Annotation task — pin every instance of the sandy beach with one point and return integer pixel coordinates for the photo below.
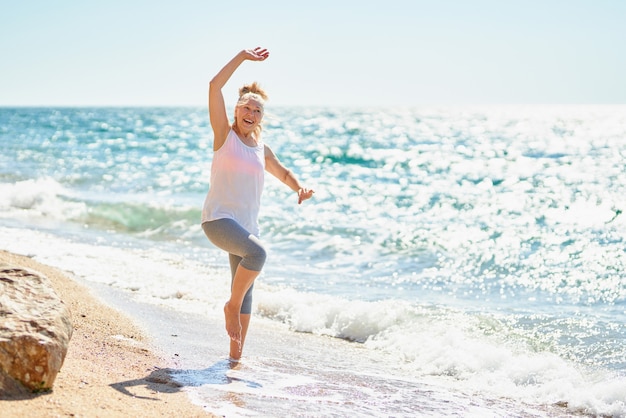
(110, 369)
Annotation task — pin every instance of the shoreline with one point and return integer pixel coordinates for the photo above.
(110, 369)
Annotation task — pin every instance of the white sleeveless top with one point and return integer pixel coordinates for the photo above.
(237, 177)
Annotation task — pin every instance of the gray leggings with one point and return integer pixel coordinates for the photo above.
(243, 249)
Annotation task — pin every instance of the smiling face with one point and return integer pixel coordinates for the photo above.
(248, 114)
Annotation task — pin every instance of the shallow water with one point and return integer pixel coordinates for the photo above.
(468, 259)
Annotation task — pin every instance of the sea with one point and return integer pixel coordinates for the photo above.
(464, 261)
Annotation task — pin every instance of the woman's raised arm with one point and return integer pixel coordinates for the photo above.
(217, 107)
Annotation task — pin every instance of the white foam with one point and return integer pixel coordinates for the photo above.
(454, 346)
(457, 347)
(42, 199)
(328, 315)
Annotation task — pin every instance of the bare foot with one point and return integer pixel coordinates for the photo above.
(233, 363)
(233, 324)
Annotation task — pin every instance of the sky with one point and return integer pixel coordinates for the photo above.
(322, 53)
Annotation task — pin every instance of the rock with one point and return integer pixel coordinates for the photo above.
(35, 331)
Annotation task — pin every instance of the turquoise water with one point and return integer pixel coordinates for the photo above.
(482, 249)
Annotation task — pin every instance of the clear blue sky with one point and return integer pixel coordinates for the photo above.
(339, 52)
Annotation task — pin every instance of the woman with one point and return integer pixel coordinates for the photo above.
(231, 208)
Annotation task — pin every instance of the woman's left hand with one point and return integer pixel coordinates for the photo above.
(304, 194)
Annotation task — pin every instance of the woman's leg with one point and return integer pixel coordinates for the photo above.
(231, 237)
(236, 349)
(232, 309)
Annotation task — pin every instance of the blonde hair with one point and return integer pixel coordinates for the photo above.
(255, 92)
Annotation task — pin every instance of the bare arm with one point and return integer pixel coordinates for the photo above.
(278, 170)
(217, 107)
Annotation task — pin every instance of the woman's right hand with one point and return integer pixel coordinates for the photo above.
(256, 54)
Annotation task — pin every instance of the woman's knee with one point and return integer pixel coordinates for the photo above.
(255, 258)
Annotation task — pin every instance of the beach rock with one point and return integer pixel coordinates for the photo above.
(35, 331)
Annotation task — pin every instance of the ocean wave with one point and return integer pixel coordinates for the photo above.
(469, 350)
(154, 221)
(328, 315)
(42, 198)
(46, 200)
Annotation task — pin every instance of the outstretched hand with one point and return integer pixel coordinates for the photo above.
(304, 194)
(257, 54)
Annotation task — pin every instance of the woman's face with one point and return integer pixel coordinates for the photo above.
(249, 115)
